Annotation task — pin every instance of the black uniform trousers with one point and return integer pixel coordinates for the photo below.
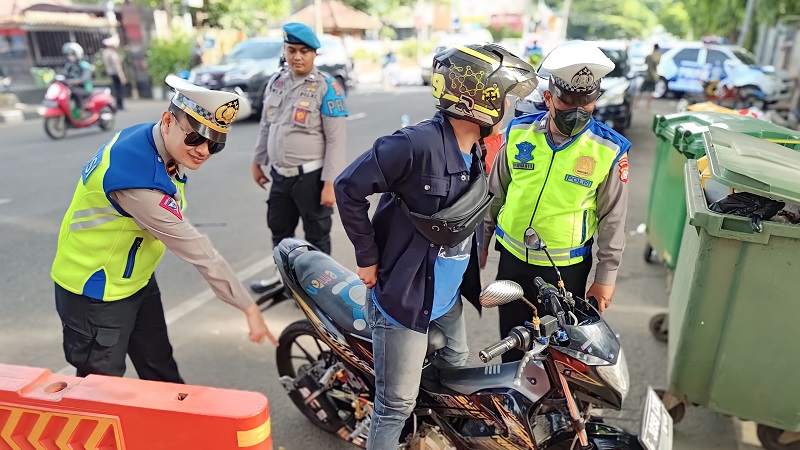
(517, 270)
(293, 198)
(98, 334)
(118, 91)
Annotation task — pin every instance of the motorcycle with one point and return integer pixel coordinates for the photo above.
(573, 365)
(61, 112)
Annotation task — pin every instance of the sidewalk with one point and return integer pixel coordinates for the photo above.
(20, 112)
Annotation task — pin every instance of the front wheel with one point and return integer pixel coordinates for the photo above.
(56, 127)
(777, 439)
(107, 118)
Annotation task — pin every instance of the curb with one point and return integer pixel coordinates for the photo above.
(20, 114)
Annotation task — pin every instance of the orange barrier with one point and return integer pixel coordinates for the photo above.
(43, 411)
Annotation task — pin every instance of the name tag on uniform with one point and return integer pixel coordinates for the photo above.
(523, 166)
(578, 180)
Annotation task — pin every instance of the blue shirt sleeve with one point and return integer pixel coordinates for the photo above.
(380, 169)
(333, 100)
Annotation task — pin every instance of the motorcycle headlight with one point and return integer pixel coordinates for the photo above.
(617, 375)
(246, 75)
(612, 97)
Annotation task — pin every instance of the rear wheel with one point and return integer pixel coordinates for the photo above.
(777, 439)
(301, 352)
(56, 127)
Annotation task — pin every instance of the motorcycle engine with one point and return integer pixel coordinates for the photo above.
(429, 438)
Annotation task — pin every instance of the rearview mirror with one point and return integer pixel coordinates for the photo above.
(500, 292)
(533, 241)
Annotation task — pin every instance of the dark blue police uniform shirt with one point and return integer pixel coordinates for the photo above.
(429, 175)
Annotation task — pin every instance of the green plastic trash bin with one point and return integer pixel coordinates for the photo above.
(680, 138)
(734, 306)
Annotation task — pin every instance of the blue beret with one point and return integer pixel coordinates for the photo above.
(298, 33)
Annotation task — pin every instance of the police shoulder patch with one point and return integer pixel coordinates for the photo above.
(171, 205)
(333, 101)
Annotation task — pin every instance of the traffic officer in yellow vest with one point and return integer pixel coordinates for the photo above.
(128, 207)
(563, 174)
(302, 144)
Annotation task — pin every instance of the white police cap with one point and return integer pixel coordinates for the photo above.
(213, 111)
(575, 69)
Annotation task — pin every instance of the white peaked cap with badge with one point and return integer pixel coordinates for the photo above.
(575, 69)
(213, 111)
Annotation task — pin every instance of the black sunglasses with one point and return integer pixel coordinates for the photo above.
(193, 138)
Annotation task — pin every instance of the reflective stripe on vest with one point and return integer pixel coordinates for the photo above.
(103, 253)
(554, 190)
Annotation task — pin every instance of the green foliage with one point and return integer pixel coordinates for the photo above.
(503, 32)
(166, 56)
(250, 16)
(362, 54)
(408, 49)
(609, 19)
(770, 11)
(674, 18)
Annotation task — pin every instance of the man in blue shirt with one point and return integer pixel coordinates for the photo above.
(429, 166)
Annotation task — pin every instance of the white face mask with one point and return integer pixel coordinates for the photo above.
(72, 58)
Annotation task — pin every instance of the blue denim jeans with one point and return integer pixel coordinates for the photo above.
(399, 354)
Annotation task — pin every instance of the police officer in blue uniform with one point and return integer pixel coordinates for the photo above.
(301, 144)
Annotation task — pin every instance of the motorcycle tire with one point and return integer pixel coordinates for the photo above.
(659, 327)
(284, 357)
(55, 127)
(771, 439)
(106, 125)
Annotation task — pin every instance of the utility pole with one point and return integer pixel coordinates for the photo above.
(318, 17)
(748, 18)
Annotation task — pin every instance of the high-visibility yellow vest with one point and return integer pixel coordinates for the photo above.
(102, 252)
(554, 189)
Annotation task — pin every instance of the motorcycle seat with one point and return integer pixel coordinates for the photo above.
(341, 295)
(338, 292)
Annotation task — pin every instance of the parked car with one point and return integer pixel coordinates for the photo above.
(687, 66)
(618, 89)
(252, 62)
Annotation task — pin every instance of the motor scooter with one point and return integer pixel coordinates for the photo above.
(61, 113)
(573, 366)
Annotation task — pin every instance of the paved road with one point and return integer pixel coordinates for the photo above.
(37, 177)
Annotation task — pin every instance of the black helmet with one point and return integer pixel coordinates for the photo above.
(471, 82)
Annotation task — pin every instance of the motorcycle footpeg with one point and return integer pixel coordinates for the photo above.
(288, 383)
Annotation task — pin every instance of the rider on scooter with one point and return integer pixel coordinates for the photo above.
(427, 168)
(78, 73)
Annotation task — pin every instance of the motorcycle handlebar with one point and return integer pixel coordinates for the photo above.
(495, 350)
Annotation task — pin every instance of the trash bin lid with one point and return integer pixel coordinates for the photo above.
(750, 164)
(688, 136)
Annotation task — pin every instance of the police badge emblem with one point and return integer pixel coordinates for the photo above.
(226, 113)
(585, 166)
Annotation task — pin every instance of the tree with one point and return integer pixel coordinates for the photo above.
(675, 20)
(609, 19)
(250, 16)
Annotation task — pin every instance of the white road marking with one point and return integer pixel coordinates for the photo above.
(3, 201)
(357, 116)
(188, 306)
